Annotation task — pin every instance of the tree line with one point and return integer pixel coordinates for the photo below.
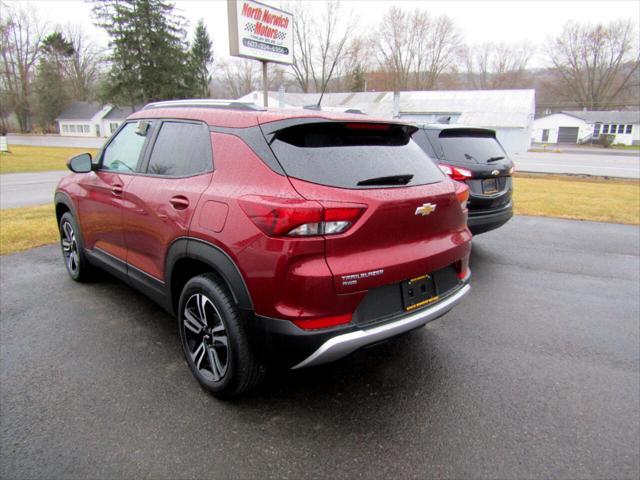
(44, 69)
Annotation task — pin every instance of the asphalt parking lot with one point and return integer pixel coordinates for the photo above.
(535, 375)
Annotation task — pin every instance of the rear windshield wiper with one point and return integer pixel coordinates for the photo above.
(390, 180)
(494, 159)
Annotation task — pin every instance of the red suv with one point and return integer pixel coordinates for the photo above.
(292, 238)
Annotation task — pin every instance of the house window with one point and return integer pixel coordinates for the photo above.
(72, 129)
(596, 130)
(613, 128)
(620, 128)
(605, 129)
(629, 127)
(113, 126)
(65, 128)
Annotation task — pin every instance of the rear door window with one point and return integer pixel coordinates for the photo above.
(354, 155)
(181, 149)
(459, 145)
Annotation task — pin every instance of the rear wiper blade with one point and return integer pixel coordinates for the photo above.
(494, 159)
(390, 180)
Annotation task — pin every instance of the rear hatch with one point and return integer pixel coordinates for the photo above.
(478, 151)
(412, 222)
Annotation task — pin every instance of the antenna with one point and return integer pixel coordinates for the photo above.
(318, 107)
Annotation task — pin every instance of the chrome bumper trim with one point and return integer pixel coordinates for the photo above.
(342, 345)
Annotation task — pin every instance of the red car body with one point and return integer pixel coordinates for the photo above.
(296, 292)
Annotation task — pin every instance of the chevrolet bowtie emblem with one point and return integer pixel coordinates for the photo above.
(495, 172)
(425, 209)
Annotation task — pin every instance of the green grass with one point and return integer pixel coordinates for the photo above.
(626, 147)
(27, 227)
(616, 201)
(600, 200)
(38, 159)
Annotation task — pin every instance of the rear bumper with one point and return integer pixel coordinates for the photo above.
(342, 345)
(284, 344)
(482, 221)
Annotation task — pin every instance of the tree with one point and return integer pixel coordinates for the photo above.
(415, 49)
(497, 65)
(319, 43)
(595, 63)
(201, 59)
(237, 76)
(85, 65)
(149, 59)
(357, 80)
(21, 35)
(51, 86)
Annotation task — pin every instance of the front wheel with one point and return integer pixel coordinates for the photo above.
(214, 341)
(72, 249)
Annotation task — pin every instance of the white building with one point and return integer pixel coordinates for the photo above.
(509, 112)
(90, 119)
(584, 126)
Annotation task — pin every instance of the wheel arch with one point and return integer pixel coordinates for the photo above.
(63, 204)
(188, 257)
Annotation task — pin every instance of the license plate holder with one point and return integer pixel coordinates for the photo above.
(490, 185)
(418, 292)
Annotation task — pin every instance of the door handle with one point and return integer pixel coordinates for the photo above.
(179, 202)
(116, 190)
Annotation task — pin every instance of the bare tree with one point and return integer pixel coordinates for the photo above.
(320, 42)
(236, 77)
(416, 48)
(497, 65)
(84, 66)
(595, 63)
(354, 65)
(438, 45)
(395, 46)
(21, 34)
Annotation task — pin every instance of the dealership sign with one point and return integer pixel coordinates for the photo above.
(259, 31)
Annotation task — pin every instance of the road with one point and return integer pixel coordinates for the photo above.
(616, 165)
(535, 375)
(55, 141)
(23, 189)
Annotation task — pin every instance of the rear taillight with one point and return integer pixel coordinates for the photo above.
(456, 173)
(292, 217)
(324, 322)
(462, 194)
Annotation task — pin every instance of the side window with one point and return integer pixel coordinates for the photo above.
(123, 152)
(181, 149)
(420, 137)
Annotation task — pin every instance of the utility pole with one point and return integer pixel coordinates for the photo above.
(265, 84)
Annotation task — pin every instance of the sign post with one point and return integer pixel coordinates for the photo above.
(260, 32)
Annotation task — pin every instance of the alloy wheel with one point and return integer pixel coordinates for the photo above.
(206, 337)
(70, 248)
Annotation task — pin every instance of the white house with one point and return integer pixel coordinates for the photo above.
(509, 112)
(585, 126)
(91, 119)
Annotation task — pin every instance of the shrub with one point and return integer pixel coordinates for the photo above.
(606, 140)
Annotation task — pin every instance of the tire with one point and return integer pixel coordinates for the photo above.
(72, 248)
(214, 341)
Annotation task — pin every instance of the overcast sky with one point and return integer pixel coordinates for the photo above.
(480, 21)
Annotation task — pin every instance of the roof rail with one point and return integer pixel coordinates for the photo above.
(206, 103)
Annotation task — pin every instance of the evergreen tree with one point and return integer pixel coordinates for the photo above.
(149, 56)
(201, 59)
(357, 79)
(51, 86)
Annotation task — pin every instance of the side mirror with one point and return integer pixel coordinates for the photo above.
(80, 163)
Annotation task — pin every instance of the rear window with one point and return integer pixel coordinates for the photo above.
(470, 146)
(354, 155)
